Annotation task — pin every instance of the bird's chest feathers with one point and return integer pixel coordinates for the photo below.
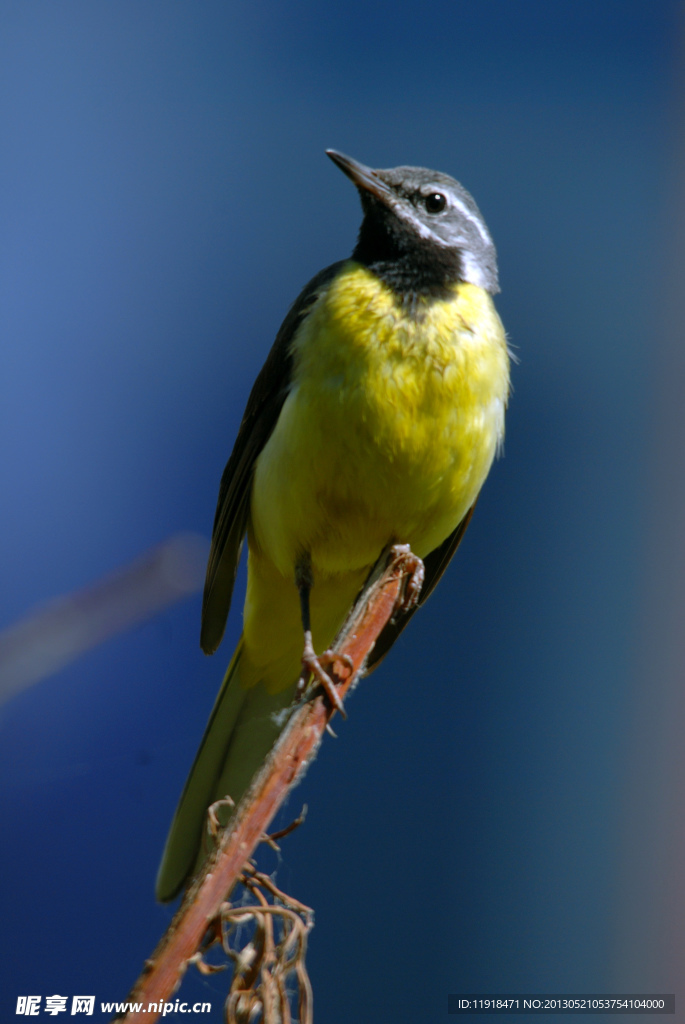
(394, 415)
(411, 388)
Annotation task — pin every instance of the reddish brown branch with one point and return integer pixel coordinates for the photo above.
(295, 748)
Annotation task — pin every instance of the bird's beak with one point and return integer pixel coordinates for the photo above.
(365, 178)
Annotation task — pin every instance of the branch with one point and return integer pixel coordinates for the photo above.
(394, 581)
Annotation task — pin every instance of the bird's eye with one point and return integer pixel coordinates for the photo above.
(435, 202)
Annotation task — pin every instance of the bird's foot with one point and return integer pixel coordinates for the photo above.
(314, 665)
(414, 573)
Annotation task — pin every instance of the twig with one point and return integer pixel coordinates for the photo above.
(272, 838)
(295, 748)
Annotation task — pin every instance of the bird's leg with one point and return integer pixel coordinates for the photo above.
(311, 664)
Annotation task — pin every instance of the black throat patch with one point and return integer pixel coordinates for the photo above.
(416, 269)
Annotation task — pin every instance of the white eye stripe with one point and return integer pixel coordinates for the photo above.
(475, 220)
(405, 211)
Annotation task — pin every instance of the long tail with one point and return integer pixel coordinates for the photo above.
(239, 735)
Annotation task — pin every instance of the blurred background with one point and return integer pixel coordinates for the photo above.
(503, 810)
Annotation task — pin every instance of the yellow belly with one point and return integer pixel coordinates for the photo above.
(389, 430)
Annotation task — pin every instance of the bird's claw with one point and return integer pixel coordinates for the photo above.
(314, 665)
(411, 566)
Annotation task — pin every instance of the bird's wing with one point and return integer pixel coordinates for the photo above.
(261, 413)
(434, 564)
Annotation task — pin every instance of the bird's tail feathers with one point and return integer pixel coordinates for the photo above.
(242, 729)
(187, 827)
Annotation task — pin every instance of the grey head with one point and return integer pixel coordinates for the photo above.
(421, 230)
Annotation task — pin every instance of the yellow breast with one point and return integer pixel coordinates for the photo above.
(389, 429)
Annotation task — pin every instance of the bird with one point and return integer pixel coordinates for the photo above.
(374, 420)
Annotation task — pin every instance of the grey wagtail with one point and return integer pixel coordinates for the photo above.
(374, 420)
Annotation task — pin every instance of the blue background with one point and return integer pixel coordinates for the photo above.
(163, 197)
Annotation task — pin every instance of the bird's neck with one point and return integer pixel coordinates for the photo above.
(411, 266)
